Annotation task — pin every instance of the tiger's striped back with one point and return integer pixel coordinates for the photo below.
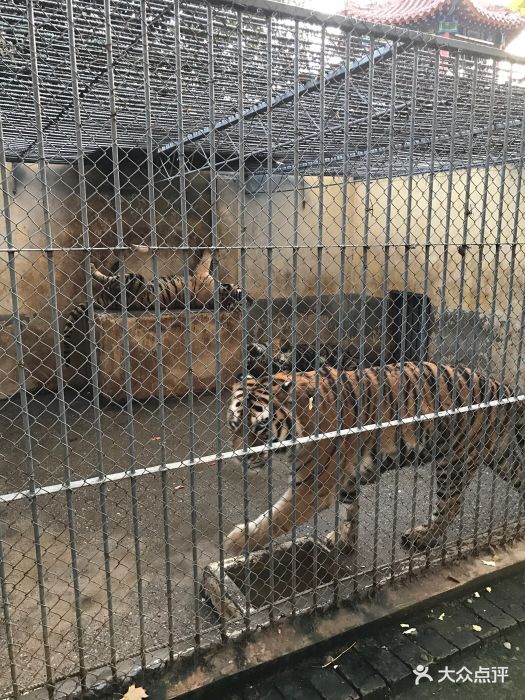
(377, 396)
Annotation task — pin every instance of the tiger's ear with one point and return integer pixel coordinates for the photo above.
(286, 386)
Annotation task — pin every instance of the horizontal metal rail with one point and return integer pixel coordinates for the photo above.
(209, 459)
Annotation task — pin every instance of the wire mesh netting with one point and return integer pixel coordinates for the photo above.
(253, 256)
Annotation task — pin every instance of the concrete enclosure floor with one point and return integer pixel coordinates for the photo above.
(379, 505)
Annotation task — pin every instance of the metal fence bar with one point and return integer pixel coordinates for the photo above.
(521, 345)
(42, 177)
(479, 279)
(519, 348)
(53, 298)
(269, 309)
(362, 311)
(466, 215)
(427, 263)
(496, 285)
(187, 319)
(244, 309)
(130, 427)
(340, 327)
(6, 213)
(216, 317)
(444, 277)
(210, 459)
(295, 244)
(152, 216)
(92, 334)
(318, 310)
(406, 272)
(384, 301)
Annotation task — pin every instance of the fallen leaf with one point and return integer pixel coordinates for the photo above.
(412, 630)
(156, 437)
(178, 488)
(134, 693)
(487, 562)
(442, 616)
(476, 628)
(489, 589)
(477, 595)
(404, 624)
(507, 645)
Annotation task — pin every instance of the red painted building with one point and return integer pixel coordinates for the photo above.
(479, 20)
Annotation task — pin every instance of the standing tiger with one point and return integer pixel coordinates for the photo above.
(492, 436)
(140, 295)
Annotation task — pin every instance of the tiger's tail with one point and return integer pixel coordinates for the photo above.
(74, 317)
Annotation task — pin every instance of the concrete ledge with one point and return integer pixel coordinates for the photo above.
(289, 639)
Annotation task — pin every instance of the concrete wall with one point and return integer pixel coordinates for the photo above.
(490, 313)
(461, 280)
(481, 297)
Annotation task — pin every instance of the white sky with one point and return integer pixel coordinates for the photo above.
(517, 46)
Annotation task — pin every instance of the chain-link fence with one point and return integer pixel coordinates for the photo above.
(198, 196)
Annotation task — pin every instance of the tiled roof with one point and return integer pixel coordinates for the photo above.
(406, 12)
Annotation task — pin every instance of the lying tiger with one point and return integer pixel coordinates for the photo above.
(494, 436)
(140, 295)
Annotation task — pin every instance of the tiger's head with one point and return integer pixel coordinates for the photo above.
(253, 424)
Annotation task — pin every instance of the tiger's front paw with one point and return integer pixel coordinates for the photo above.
(231, 297)
(342, 541)
(421, 537)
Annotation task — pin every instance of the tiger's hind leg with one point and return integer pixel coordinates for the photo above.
(452, 479)
(345, 537)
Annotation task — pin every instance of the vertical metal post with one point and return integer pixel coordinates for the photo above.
(479, 276)
(164, 482)
(295, 250)
(318, 304)
(406, 270)
(269, 297)
(515, 246)
(466, 215)
(187, 316)
(363, 294)
(130, 427)
(341, 314)
(446, 254)
(42, 177)
(216, 311)
(93, 359)
(244, 314)
(385, 298)
(6, 212)
(426, 264)
(496, 286)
